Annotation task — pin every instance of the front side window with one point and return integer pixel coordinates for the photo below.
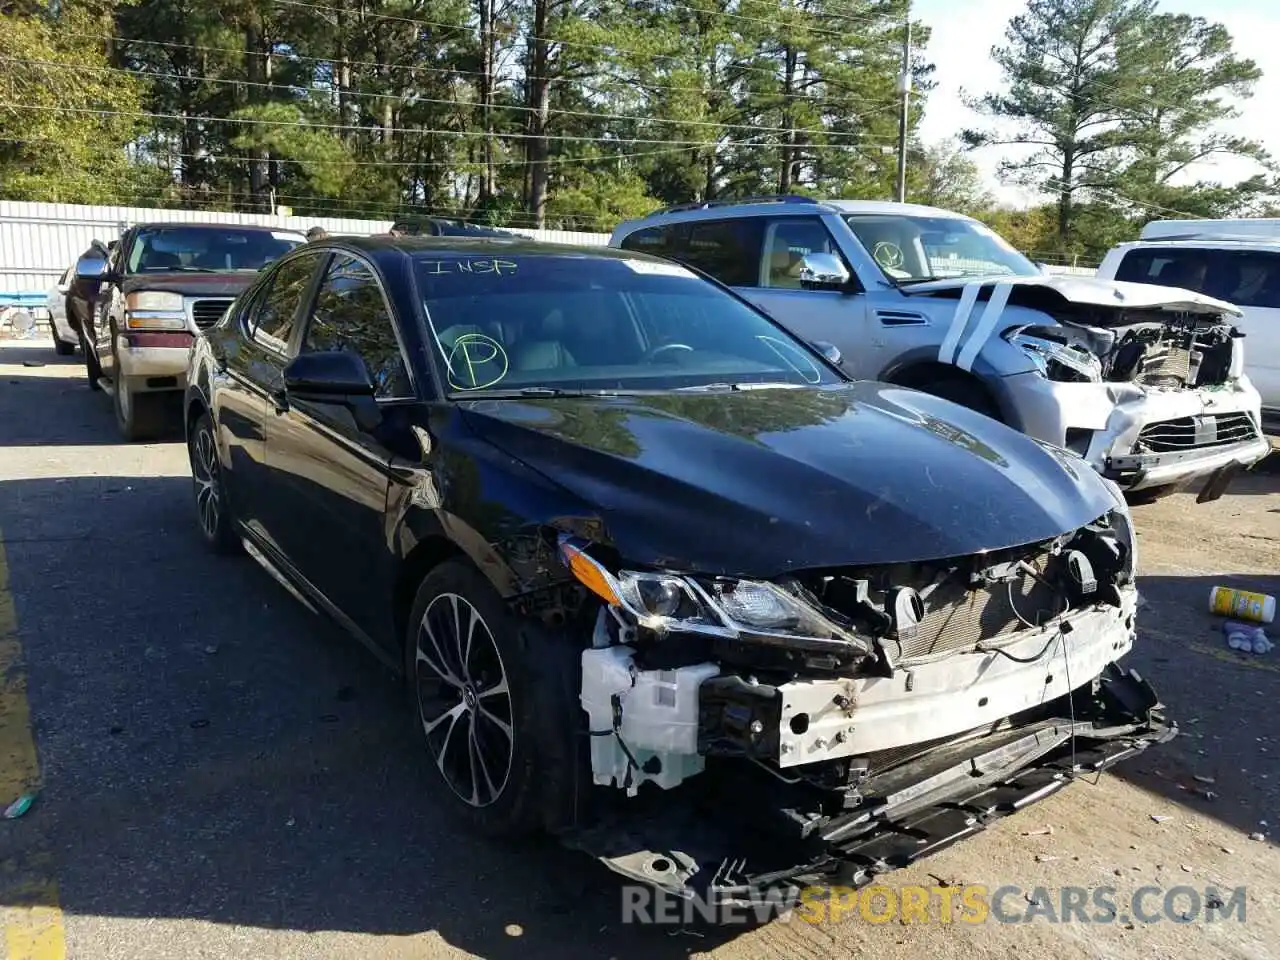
(277, 306)
(350, 313)
(913, 249)
(787, 242)
(586, 322)
(728, 250)
(207, 249)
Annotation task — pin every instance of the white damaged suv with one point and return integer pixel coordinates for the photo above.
(1145, 382)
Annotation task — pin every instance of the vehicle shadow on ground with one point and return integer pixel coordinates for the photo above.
(1223, 763)
(70, 413)
(210, 750)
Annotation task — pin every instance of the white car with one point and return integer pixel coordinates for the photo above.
(1233, 260)
(65, 338)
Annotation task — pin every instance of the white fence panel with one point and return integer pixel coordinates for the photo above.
(38, 241)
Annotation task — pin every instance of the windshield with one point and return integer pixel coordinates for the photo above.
(911, 249)
(202, 249)
(575, 323)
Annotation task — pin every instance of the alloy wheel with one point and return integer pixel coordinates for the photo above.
(204, 471)
(464, 702)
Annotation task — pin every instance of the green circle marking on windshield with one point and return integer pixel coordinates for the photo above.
(482, 359)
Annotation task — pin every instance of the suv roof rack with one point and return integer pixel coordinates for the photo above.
(735, 201)
(1210, 235)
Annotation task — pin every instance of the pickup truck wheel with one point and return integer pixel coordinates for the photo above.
(213, 513)
(482, 708)
(140, 416)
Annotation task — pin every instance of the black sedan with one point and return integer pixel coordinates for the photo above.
(632, 543)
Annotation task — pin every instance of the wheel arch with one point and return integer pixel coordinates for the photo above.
(918, 374)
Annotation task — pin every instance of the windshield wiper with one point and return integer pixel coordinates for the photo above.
(536, 392)
(714, 387)
(913, 280)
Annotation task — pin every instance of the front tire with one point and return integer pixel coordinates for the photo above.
(484, 710)
(965, 392)
(213, 514)
(140, 416)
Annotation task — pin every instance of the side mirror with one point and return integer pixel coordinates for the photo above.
(823, 271)
(830, 351)
(335, 377)
(91, 268)
(329, 376)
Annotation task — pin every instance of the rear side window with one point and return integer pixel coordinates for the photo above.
(1247, 278)
(272, 321)
(729, 250)
(660, 241)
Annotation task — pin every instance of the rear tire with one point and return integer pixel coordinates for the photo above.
(213, 513)
(965, 392)
(486, 708)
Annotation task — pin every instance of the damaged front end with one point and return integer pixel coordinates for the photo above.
(831, 725)
(1146, 383)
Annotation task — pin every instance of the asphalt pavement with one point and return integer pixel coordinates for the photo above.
(223, 774)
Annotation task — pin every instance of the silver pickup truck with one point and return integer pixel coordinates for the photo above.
(1145, 382)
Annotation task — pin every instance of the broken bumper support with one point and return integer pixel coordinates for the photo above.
(714, 852)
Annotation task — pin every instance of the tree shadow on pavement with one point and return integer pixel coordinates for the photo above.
(211, 750)
(1223, 762)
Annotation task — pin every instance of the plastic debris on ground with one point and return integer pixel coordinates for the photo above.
(19, 806)
(1246, 637)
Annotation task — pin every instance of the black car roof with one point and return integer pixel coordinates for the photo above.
(491, 246)
(257, 227)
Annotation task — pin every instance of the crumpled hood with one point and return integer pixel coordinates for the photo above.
(222, 284)
(1119, 294)
(756, 483)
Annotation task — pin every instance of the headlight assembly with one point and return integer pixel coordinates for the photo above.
(154, 310)
(154, 300)
(1058, 361)
(730, 608)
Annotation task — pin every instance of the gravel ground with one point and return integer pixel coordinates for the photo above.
(228, 776)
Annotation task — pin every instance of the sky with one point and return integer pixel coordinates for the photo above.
(959, 47)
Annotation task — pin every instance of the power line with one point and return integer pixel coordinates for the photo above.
(628, 86)
(414, 99)
(527, 37)
(253, 121)
(161, 154)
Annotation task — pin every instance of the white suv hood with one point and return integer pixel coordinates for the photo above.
(1103, 293)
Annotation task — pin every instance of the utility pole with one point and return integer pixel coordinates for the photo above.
(904, 88)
